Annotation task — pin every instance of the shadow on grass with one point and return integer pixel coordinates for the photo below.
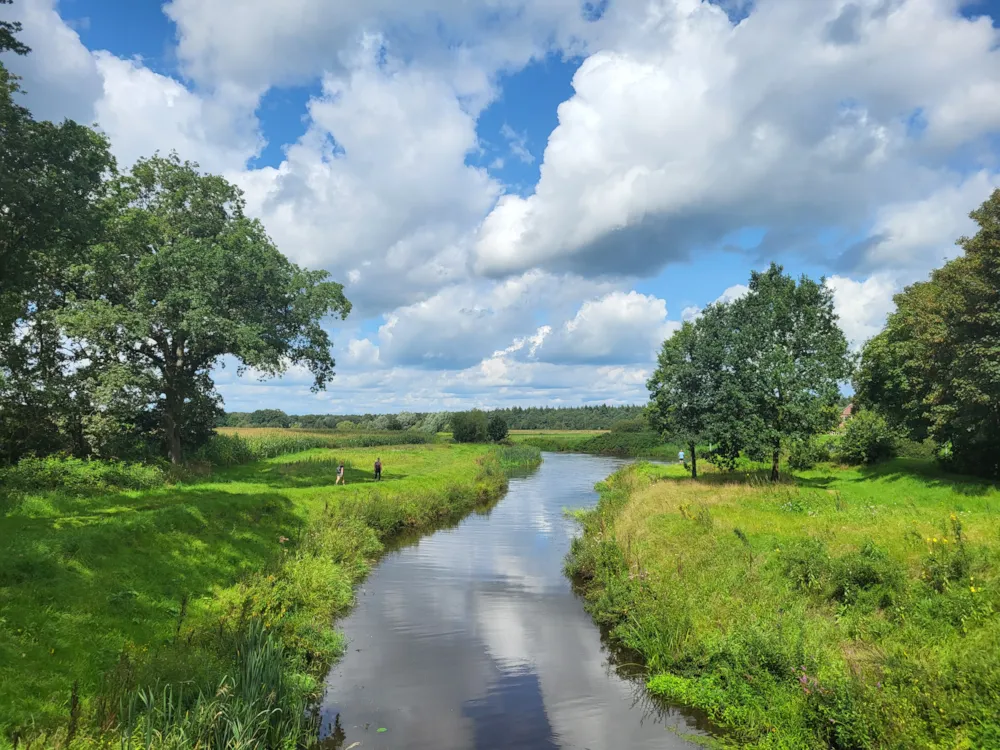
(929, 472)
(77, 589)
(924, 471)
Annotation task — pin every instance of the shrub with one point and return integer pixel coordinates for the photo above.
(497, 428)
(637, 424)
(805, 454)
(868, 438)
(469, 427)
(76, 475)
(907, 448)
(868, 575)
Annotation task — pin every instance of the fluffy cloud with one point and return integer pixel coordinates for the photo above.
(857, 118)
(269, 43)
(142, 111)
(463, 324)
(909, 238)
(378, 191)
(804, 115)
(61, 78)
(862, 306)
(617, 328)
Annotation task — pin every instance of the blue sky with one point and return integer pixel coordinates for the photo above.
(523, 203)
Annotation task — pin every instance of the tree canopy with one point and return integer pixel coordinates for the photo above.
(755, 373)
(935, 368)
(182, 278)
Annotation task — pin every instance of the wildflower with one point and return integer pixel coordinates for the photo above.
(934, 540)
(944, 540)
(972, 589)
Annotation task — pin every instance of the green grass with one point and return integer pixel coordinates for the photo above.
(840, 608)
(620, 444)
(123, 585)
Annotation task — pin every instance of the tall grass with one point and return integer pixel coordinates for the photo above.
(836, 609)
(235, 447)
(256, 706)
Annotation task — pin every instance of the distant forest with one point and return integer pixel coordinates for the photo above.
(518, 418)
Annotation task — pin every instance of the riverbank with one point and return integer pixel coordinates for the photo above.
(615, 444)
(841, 608)
(115, 582)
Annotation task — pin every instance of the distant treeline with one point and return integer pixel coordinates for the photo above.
(601, 417)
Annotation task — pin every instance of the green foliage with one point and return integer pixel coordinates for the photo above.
(235, 449)
(620, 444)
(259, 705)
(74, 475)
(496, 428)
(517, 418)
(689, 387)
(182, 279)
(935, 368)
(868, 438)
(469, 427)
(806, 453)
(789, 358)
(755, 374)
(51, 179)
(868, 575)
(633, 424)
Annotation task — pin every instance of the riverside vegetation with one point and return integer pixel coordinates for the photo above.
(843, 608)
(193, 607)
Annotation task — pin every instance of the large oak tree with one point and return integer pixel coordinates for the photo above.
(183, 278)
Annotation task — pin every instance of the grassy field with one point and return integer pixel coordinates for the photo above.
(113, 580)
(843, 608)
(600, 442)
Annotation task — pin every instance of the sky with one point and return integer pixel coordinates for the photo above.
(523, 198)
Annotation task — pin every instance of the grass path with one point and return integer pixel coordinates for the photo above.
(88, 573)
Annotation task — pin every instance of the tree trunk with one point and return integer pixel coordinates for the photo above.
(774, 462)
(173, 428)
(694, 461)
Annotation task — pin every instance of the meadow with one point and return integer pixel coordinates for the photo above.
(839, 608)
(177, 609)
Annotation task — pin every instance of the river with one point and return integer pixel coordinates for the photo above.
(472, 638)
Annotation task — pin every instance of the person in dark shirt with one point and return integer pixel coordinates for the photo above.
(378, 469)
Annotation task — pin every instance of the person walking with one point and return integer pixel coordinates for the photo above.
(378, 469)
(340, 474)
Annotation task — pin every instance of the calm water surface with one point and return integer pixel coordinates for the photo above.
(473, 638)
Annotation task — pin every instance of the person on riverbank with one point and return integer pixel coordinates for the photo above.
(378, 469)
(340, 474)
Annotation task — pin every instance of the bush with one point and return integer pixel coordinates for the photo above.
(77, 475)
(469, 427)
(868, 575)
(907, 448)
(867, 439)
(497, 428)
(637, 424)
(805, 454)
